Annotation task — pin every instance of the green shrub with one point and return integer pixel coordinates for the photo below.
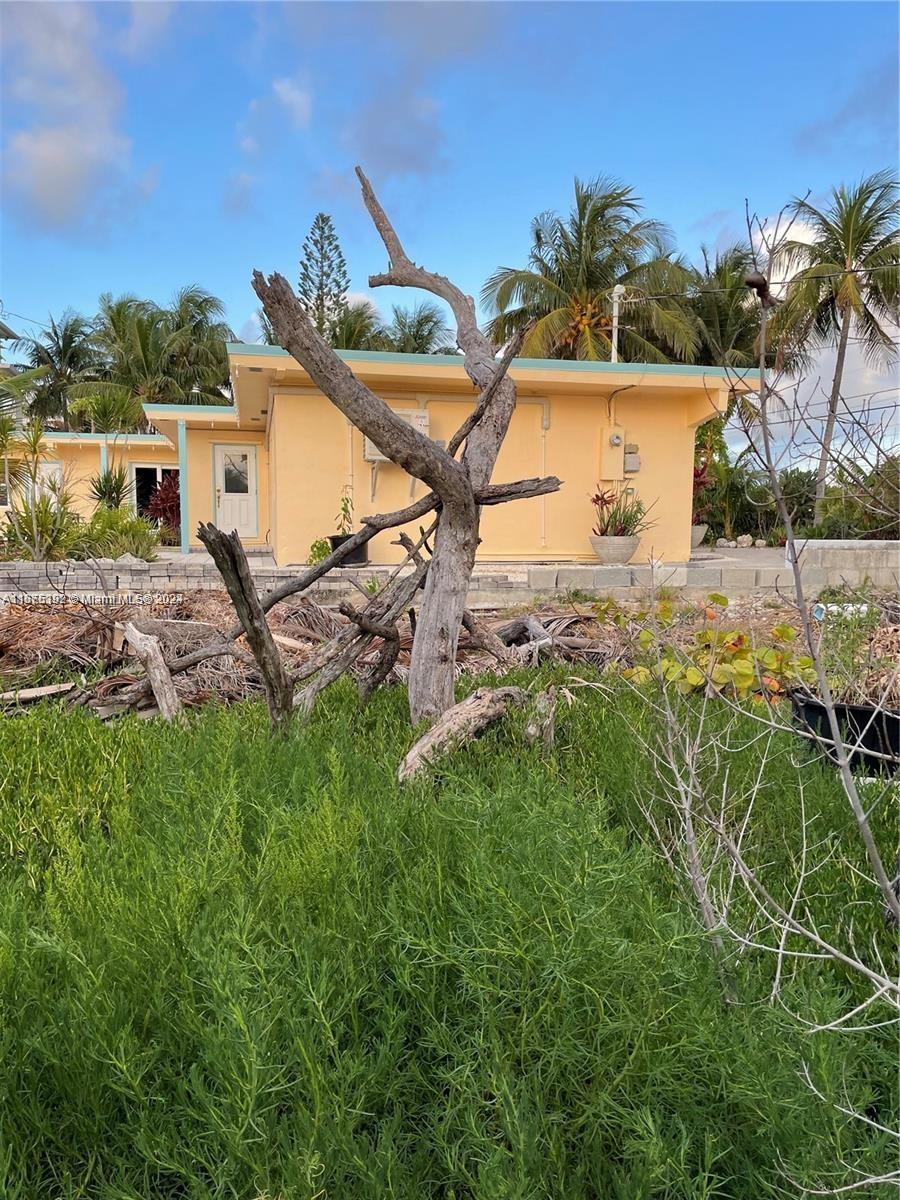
(42, 527)
(50, 526)
(318, 552)
(236, 966)
(115, 531)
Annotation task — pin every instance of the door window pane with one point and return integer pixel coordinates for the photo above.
(237, 473)
(144, 486)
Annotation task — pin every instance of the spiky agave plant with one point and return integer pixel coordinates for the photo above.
(112, 488)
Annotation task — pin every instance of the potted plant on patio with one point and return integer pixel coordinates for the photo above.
(621, 517)
(701, 504)
(360, 556)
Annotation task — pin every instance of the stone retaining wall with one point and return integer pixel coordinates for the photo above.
(852, 555)
(730, 576)
(826, 563)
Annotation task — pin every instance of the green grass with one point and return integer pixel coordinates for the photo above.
(239, 967)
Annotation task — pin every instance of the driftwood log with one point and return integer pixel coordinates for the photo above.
(541, 724)
(480, 637)
(147, 648)
(33, 694)
(458, 725)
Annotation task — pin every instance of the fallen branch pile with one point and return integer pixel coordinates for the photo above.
(206, 661)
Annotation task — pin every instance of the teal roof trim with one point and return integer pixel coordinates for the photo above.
(190, 410)
(70, 435)
(534, 364)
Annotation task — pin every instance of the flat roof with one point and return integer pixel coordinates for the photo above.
(262, 349)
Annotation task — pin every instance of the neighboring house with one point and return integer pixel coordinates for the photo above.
(273, 464)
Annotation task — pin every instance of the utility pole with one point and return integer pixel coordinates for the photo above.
(617, 293)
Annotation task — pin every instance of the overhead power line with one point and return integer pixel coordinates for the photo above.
(7, 312)
(801, 419)
(701, 290)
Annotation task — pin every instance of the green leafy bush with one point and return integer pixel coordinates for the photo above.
(112, 532)
(732, 664)
(318, 552)
(42, 527)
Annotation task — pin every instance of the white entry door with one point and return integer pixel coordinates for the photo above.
(237, 505)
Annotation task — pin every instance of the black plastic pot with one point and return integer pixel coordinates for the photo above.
(876, 730)
(356, 558)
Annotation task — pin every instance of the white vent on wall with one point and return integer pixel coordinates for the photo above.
(417, 417)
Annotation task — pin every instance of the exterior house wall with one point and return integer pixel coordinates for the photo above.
(315, 452)
(309, 451)
(201, 485)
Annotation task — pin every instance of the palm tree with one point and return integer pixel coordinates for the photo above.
(574, 265)
(727, 319)
(63, 355)
(421, 329)
(847, 281)
(197, 336)
(357, 327)
(269, 336)
(158, 355)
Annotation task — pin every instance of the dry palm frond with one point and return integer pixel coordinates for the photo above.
(33, 634)
(309, 620)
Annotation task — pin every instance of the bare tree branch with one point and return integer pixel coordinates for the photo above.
(228, 555)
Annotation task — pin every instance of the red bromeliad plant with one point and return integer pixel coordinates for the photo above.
(619, 514)
(165, 503)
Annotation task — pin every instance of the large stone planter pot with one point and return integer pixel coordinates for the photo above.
(698, 533)
(614, 550)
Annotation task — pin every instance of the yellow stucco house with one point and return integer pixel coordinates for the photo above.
(273, 464)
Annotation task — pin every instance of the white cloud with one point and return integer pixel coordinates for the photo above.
(148, 20)
(286, 94)
(68, 163)
(296, 100)
(251, 330)
(57, 167)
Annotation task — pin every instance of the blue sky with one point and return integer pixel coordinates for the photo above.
(151, 145)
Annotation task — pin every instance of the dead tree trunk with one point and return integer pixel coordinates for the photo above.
(231, 560)
(456, 483)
